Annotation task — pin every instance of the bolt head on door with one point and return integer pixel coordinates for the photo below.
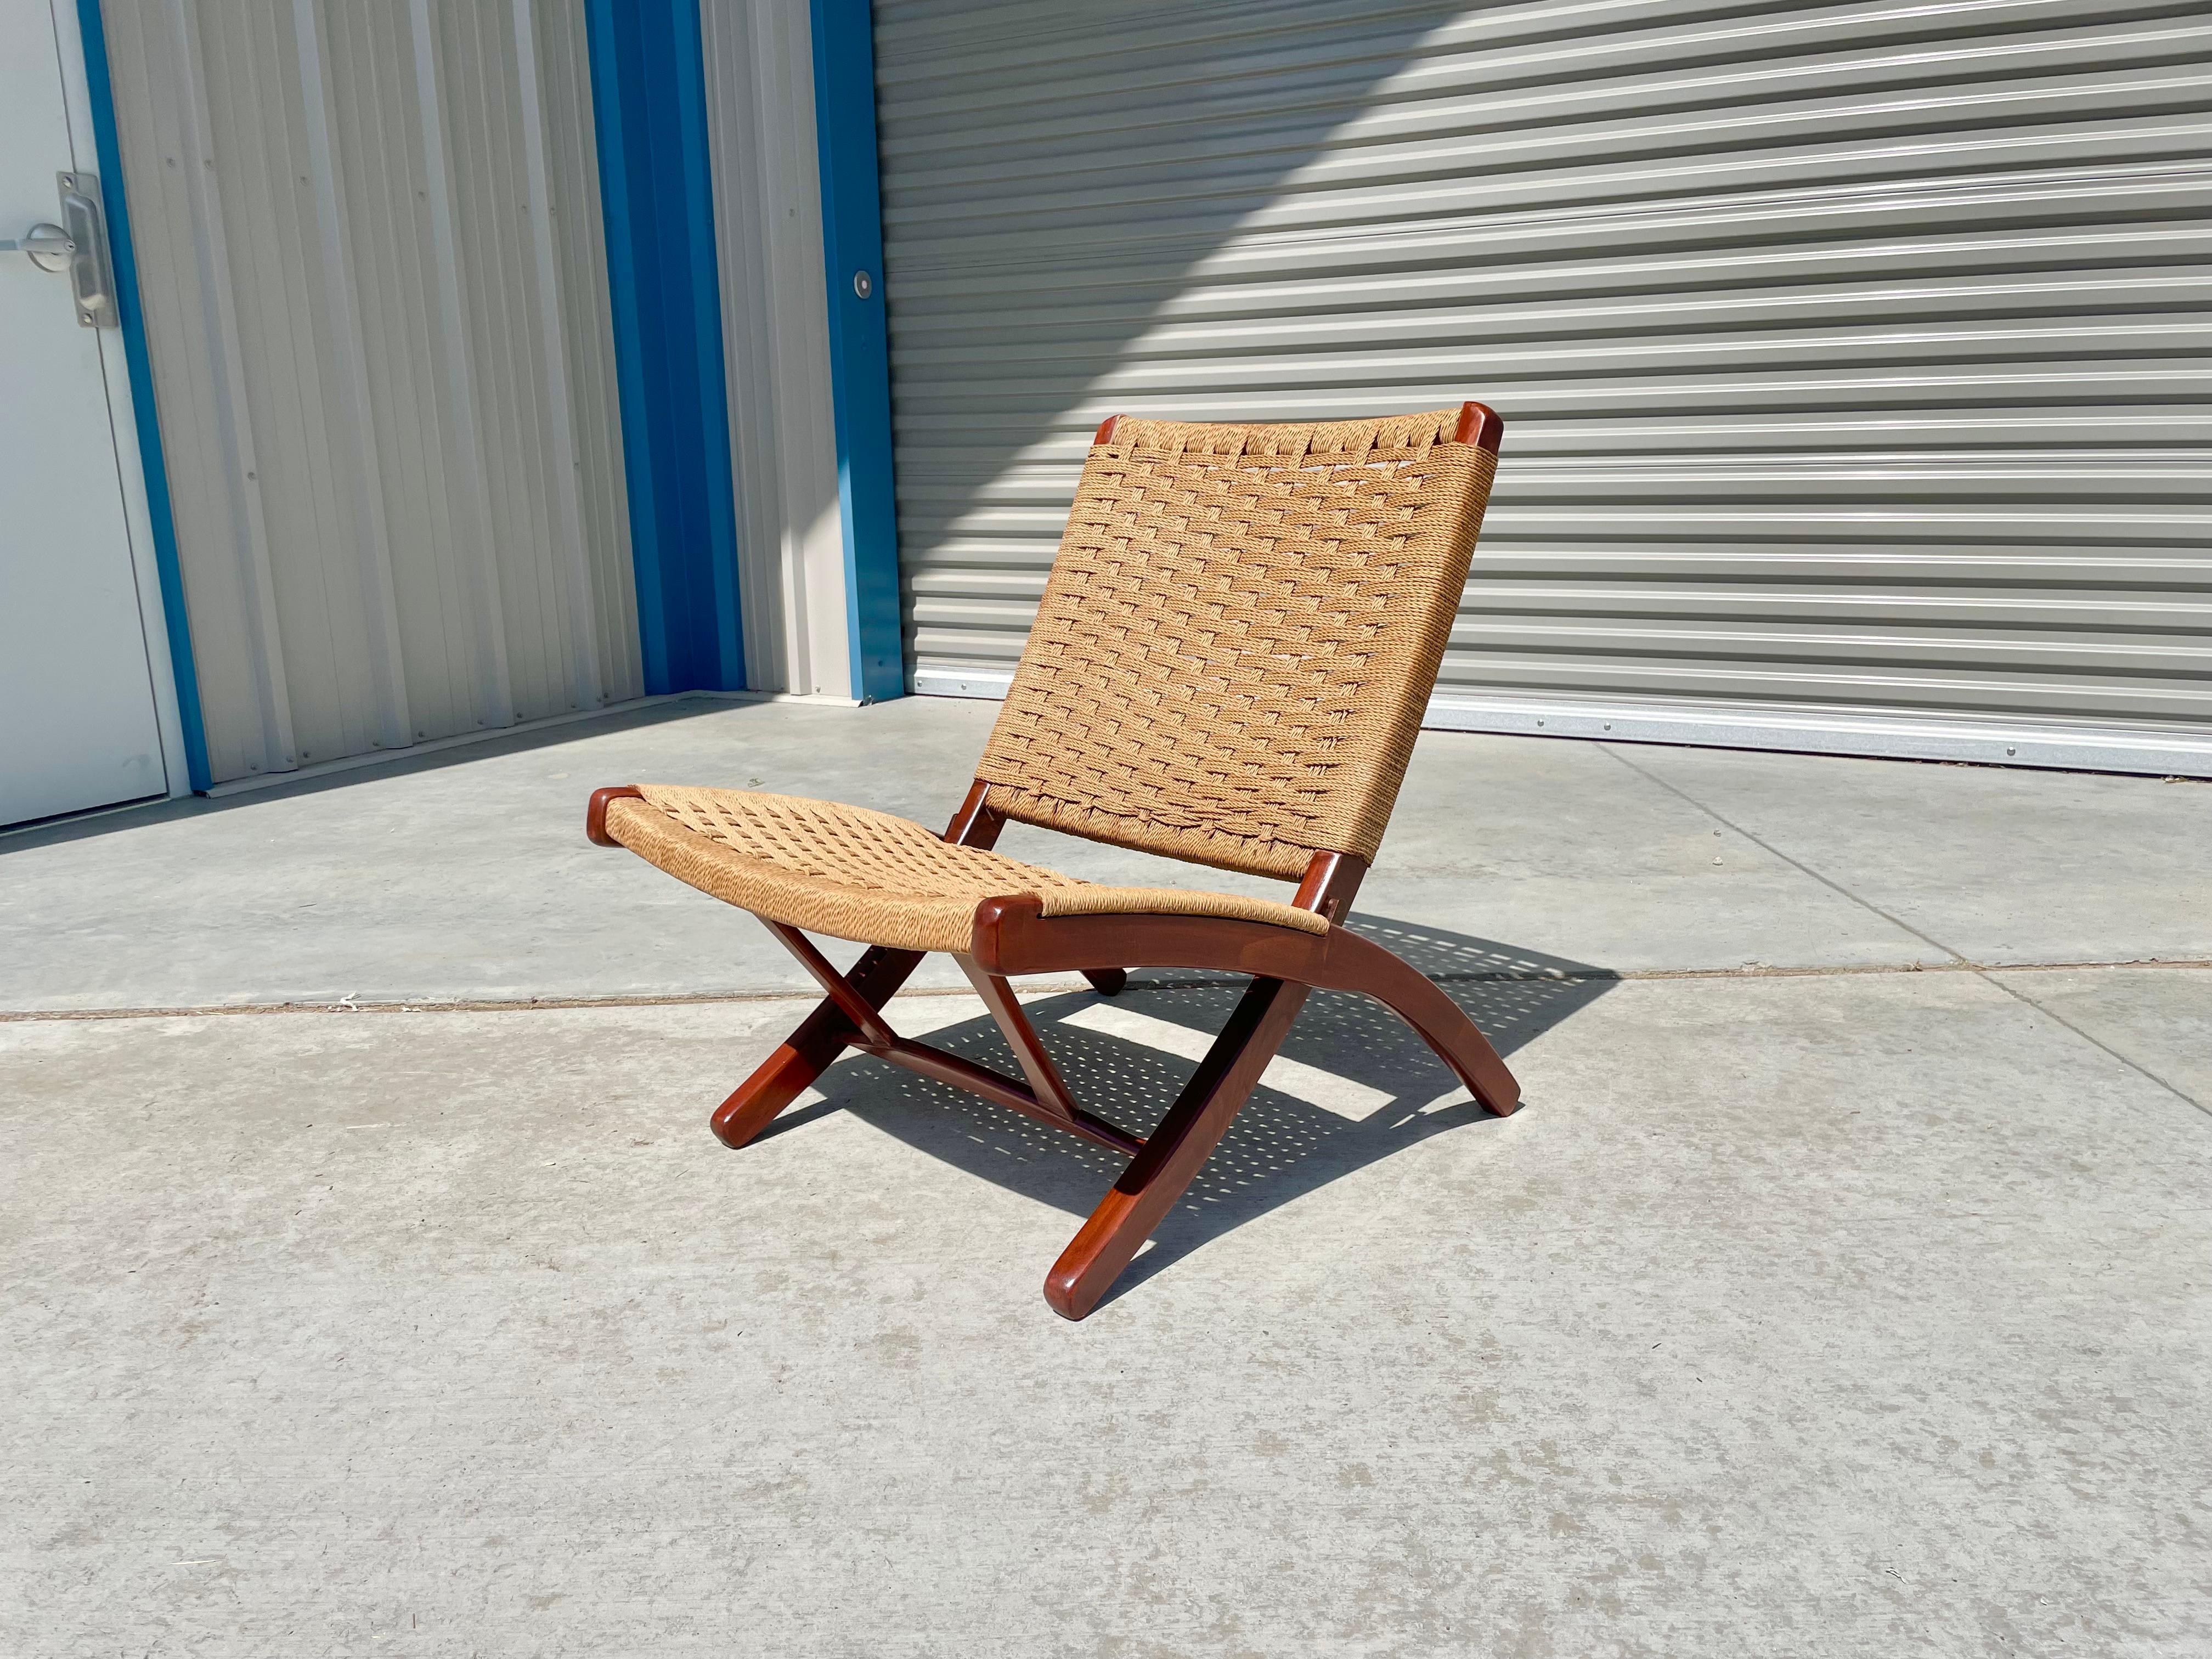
(863, 284)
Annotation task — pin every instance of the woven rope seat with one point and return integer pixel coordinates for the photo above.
(870, 877)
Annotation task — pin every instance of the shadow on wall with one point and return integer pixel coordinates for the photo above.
(1018, 277)
(1353, 1084)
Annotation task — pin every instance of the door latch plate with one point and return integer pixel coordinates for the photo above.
(92, 276)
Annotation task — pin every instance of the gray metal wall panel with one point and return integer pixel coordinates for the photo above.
(1854, 357)
(393, 437)
(579, 250)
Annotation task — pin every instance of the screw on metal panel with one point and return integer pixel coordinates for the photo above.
(863, 284)
(2010, 750)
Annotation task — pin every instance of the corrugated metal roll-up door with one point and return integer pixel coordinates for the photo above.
(369, 243)
(1854, 356)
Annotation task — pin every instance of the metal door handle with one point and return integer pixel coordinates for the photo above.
(41, 243)
(78, 246)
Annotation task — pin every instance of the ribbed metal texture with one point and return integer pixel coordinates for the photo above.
(367, 238)
(1854, 357)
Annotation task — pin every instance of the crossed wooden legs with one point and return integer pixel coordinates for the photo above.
(1012, 936)
(1163, 1164)
(807, 1052)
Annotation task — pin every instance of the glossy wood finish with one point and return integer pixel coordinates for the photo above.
(977, 822)
(1175, 1151)
(1047, 1098)
(1014, 936)
(869, 1028)
(809, 1051)
(595, 815)
(1480, 425)
(1331, 881)
(1021, 1036)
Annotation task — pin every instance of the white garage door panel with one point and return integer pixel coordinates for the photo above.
(1857, 359)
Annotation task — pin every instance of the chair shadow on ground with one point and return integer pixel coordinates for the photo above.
(1362, 1084)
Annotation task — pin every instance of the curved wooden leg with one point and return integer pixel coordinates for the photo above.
(1173, 1152)
(809, 1051)
(1013, 936)
(1107, 981)
(1443, 1025)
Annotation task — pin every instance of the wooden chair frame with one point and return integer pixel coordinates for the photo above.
(1012, 935)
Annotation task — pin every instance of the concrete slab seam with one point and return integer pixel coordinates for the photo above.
(1045, 988)
(1959, 960)
(2175, 1090)
(1796, 864)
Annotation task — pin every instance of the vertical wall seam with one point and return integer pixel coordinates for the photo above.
(860, 356)
(495, 678)
(234, 418)
(586, 682)
(580, 245)
(372, 535)
(144, 410)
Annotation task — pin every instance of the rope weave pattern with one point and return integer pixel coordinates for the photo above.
(856, 874)
(1239, 637)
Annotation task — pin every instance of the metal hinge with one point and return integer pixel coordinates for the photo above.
(77, 246)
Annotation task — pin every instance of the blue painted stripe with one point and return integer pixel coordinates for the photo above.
(656, 193)
(144, 415)
(859, 346)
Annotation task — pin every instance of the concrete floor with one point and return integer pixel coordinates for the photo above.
(1855, 1301)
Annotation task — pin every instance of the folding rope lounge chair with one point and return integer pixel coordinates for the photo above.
(1229, 666)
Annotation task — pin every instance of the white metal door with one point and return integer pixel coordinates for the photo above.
(78, 727)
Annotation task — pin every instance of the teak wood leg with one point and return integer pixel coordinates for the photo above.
(1021, 1036)
(1173, 1152)
(809, 1051)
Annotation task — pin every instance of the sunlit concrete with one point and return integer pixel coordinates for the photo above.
(1807, 1315)
(1833, 1307)
(468, 876)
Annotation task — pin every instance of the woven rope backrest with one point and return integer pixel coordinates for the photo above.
(1239, 637)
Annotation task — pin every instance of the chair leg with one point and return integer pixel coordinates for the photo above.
(1175, 1151)
(1107, 981)
(999, 1001)
(809, 1050)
